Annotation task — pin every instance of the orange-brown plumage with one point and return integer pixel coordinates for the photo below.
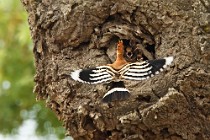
(120, 60)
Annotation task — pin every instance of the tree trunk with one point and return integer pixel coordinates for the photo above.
(70, 35)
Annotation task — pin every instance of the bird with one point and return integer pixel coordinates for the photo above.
(118, 72)
(132, 54)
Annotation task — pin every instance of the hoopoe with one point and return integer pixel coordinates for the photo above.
(119, 71)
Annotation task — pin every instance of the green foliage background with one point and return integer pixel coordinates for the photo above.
(17, 102)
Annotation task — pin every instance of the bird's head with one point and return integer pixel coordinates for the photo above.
(120, 47)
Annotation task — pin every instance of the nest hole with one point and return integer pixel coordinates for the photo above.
(135, 51)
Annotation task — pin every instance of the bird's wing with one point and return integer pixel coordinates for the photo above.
(144, 70)
(95, 75)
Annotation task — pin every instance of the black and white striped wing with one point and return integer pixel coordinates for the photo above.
(94, 75)
(144, 70)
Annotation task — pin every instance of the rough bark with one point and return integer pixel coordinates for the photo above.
(69, 35)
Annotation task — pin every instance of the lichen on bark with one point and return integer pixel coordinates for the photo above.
(70, 34)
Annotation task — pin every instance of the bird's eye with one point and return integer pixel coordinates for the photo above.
(129, 54)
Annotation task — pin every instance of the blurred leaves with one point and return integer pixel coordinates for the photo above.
(17, 102)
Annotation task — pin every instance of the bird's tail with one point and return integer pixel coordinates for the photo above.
(116, 92)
